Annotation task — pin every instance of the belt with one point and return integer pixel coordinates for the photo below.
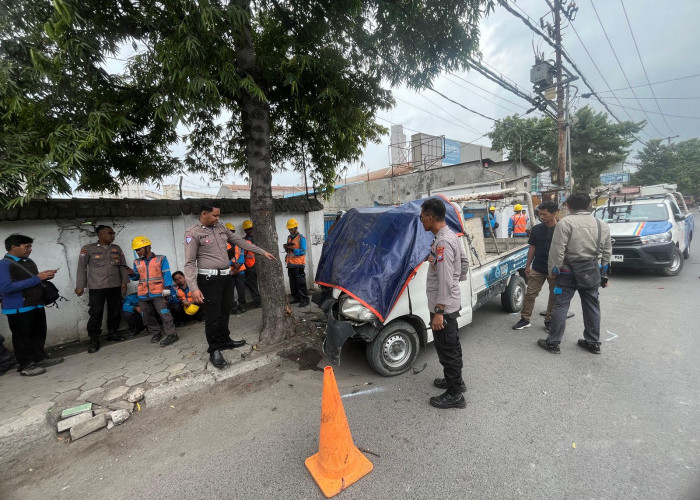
(214, 272)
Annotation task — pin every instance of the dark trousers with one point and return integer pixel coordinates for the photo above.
(97, 299)
(297, 283)
(238, 283)
(449, 351)
(251, 283)
(590, 308)
(28, 336)
(134, 320)
(218, 297)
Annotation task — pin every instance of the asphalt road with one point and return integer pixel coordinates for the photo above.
(622, 425)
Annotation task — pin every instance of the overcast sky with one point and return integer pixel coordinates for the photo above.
(667, 37)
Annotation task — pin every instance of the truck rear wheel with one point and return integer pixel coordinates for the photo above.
(514, 296)
(394, 349)
(676, 264)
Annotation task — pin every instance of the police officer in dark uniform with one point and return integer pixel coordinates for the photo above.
(102, 268)
(444, 301)
(208, 275)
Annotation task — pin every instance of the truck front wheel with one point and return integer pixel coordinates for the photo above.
(394, 349)
(676, 264)
(514, 296)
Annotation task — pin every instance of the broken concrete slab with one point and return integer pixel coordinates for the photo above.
(118, 416)
(92, 395)
(110, 425)
(69, 412)
(65, 424)
(115, 394)
(83, 429)
(135, 394)
(122, 405)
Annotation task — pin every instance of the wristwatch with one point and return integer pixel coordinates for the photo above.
(438, 310)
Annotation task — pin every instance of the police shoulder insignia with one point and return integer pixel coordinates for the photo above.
(440, 252)
(83, 252)
(188, 238)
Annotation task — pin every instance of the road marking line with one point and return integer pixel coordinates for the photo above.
(362, 393)
(614, 335)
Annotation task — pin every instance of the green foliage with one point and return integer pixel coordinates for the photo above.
(596, 143)
(670, 163)
(69, 116)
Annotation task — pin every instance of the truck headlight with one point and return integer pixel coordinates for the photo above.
(656, 238)
(353, 309)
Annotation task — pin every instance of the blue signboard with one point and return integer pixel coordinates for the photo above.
(452, 152)
(615, 178)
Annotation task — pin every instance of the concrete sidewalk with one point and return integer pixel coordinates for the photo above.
(28, 403)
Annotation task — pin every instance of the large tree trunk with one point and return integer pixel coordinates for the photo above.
(256, 132)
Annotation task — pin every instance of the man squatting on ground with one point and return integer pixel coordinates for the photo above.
(444, 303)
(208, 274)
(578, 238)
(102, 268)
(536, 268)
(22, 302)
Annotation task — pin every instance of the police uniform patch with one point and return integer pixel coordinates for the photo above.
(83, 252)
(440, 251)
(188, 238)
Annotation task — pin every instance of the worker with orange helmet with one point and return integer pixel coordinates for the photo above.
(155, 281)
(296, 262)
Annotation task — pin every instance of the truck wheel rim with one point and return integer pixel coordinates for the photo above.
(675, 262)
(396, 350)
(518, 296)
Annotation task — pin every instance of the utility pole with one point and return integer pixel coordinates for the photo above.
(561, 125)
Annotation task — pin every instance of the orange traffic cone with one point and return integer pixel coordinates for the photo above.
(338, 462)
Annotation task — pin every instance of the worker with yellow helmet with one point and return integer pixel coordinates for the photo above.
(251, 274)
(238, 271)
(490, 224)
(185, 308)
(517, 225)
(296, 262)
(154, 288)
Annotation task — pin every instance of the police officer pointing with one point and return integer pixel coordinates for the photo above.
(444, 302)
(208, 274)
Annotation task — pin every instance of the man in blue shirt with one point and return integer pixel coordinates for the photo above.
(490, 224)
(22, 301)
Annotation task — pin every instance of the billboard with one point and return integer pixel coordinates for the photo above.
(615, 178)
(453, 152)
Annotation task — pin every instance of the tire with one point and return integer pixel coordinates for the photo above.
(676, 264)
(686, 252)
(513, 298)
(394, 350)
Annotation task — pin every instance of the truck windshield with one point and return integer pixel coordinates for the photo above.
(633, 213)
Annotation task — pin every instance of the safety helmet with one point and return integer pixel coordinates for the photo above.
(140, 242)
(492, 209)
(230, 226)
(191, 309)
(247, 224)
(518, 207)
(292, 223)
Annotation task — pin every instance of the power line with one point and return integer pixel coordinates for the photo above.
(466, 125)
(655, 113)
(432, 114)
(488, 92)
(461, 105)
(655, 83)
(643, 68)
(619, 64)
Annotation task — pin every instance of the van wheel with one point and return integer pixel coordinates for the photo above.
(676, 264)
(514, 296)
(394, 349)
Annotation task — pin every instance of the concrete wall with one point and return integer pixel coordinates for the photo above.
(57, 244)
(412, 186)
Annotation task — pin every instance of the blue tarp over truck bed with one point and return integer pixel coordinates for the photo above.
(372, 252)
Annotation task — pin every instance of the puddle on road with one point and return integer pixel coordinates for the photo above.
(306, 357)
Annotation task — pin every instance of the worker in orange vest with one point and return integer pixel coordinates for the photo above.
(251, 269)
(517, 226)
(155, 281)
(296, 261)
(238, 268)
(184, 308)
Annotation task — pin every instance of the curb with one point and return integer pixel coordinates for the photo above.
(36, 423)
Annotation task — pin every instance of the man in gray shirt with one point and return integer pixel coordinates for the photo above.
(444, 302)
(576, 240)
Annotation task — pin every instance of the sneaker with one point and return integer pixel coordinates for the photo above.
(447, 400)
(156, 338)
(170, 339)
(553, 348)
(523, 323)
(46, 362)
(547, 326)
(442, 384)
(594, 348)
(31, 370)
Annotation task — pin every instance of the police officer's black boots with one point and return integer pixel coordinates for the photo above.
(94, 344)
(449, 399)
(442, 384)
